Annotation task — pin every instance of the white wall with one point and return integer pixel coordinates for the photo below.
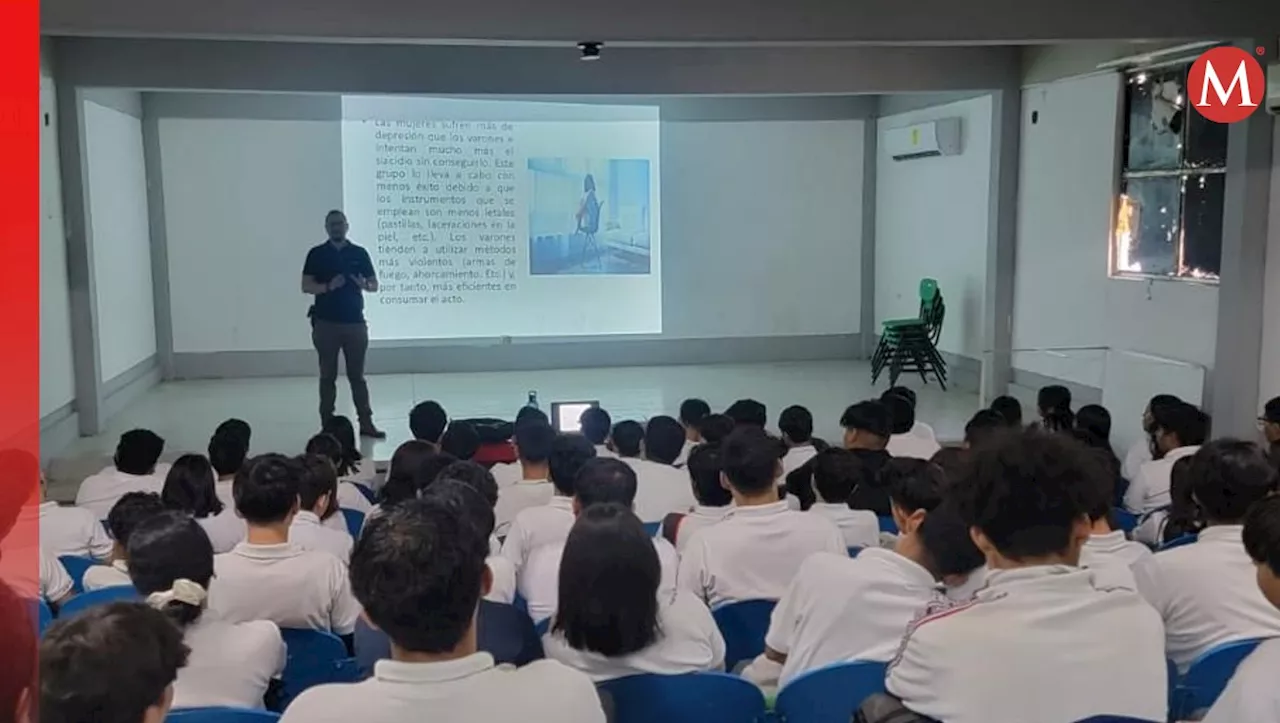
(1269, 372)
(57, 378)
(931, 221)
(761, 225)
(118, 220)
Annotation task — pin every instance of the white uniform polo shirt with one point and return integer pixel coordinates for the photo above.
(225, 529)
(1112, 550)
(660, 489)
(466, 690)
(797, 456)
(517, 497)
(1207, 594)
(1043, 644)
(1139, 454)
(100, 492)
(861, 528)
(534, 527)
(55, 583)
(701, 516)
(1150, 489)
(222, 488)
(230, 664)
(839, 608)
(308, 533)
(688, 642)
(101, 576)
(919, 443)
(507, 473)
(72, 531)
(503, 573)
(351, 498)
(1252, 696)
(539, 580)
(291, 587)
(681, 459)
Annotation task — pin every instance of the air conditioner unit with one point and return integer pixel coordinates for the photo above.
(924, 140)
(1273, 89)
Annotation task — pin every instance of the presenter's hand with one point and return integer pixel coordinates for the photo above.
(337, 282)
(364, 283)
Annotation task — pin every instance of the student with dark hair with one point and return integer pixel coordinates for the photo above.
(403, 479)
(550, 523)
(352, 466)
(531, 414)
(704, 468)
(1144, 450)
(611, 622)
(1180, 429)
(627, 439)
(427, 422)
(984, 426)
(748, 412)
(1026, 499)
(1183, 516)
(796, 425)
(317, 492)
(663, 488)
(866, 434)
(911, 437)
(482, 497)
(189, 487)
(419, 572)
(835, 474)
(599, 481)
(839, 609)
(64, 530)
(328, 445)
(1106, 545)
(952, 461)
(692, 413)
(125, 516)
(231, 664)
(460, 440)
(596, 426)
(1252, 695)
(1269, 423)
(237, 428)
(1093, 428)
(114, 662)
(134, 470)
(532, 488)
(752, 553)
(915, 488)
(1009, 408)
(228, 449)
(268, 578)
(1207, 591)
(1053, 402)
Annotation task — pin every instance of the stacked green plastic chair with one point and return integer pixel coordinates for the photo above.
(910, 345)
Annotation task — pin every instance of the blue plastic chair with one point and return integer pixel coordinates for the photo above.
(314, 657)
(688, 698)
(367, 491)
(1125, 520)
(76, 567)
(652, 528)
(542, 626)
(220, 715)
(44, 616)
(1177, 542)
(355, 521)
(84, 601)
(1208, 676)
(830, 694)
(743, 625)
(853, 551)
(887, 524)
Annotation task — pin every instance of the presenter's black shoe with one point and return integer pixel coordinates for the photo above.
(368, 430)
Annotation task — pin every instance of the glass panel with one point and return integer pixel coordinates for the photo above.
(1202, 218)
(1206, 142)
(1155, 103)
(1147, 230)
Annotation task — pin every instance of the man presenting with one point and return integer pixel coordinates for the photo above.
(336, 272)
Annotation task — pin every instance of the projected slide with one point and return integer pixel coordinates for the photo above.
(489, 218)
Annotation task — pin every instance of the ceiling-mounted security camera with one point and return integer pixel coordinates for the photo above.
(590, 49)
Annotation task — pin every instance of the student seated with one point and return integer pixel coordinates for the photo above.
(1009, 408)
(835, 474)
(692, 413)
(352, 467)
(1180, 430)
(115, 662)
(460, 440)
(1054, 405)
(1144, 450)
(427, 422)
(228, 449)
(1270, 424)
(509, 473)
(549, 524)
(419, 572)
(533, 488)
(135, 471)
(317, 489)
(1252, 695)
(910, 438)
(1183, 517)
(715, 428)
(267, 578)
(599, 481)
(124, 517)
(1206, 591)
(70, 530)
(748, 412)
(755, 550)
(866, 434)
(1028, 511)
(54, 585)
(596, 424)
(1093, 427)
(984, 426)
(714, 501)
(661, 487)
(611, 622)
(483, 488)
(230, 664)
(796, 425)
(840, 609)
(413, 466)
(190, 487)
(1107, 546)
(331, 448)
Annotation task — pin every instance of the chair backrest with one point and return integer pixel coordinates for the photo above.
(928, 290)
(542, 626)
(1208, 676)
(314, 657)
(887, 524)
(743, 625)
(1125, 520)
(367, 491)
(76, 567)
(84, 601)
(1186, 539)
(44, 616)
(652, 528)
(688, 698)
(830, 694)
(853, 551)
(220, 715)
(355, 521)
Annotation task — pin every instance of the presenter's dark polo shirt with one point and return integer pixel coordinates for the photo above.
(344, 305)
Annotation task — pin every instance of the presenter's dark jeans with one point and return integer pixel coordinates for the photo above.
(352, 341)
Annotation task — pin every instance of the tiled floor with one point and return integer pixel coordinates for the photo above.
(283, 411)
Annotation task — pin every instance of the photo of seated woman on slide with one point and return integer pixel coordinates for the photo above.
(589, 216)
